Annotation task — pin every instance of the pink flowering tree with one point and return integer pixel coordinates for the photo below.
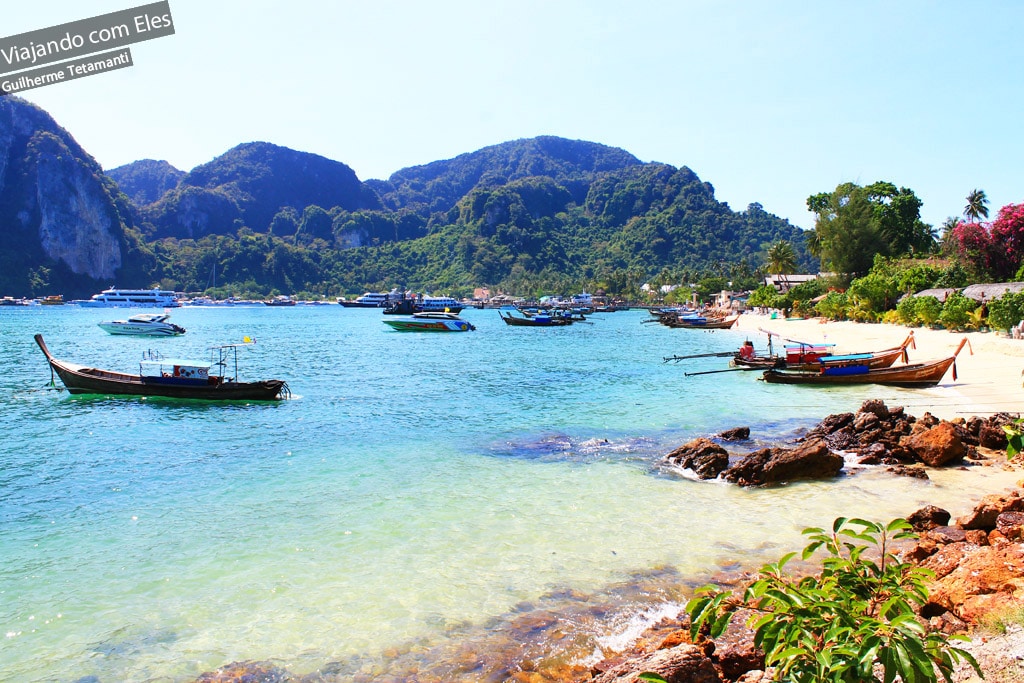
(995, 249)
(1008, 237)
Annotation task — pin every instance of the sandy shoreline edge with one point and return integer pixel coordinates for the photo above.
(988, 380)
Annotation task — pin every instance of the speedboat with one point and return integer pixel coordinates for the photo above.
(146, 324)
(430, 322)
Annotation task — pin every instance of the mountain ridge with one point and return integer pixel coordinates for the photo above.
(516, 214)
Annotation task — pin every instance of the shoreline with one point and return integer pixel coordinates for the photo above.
(988, 371)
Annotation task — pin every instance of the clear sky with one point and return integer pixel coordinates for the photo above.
(770, 102)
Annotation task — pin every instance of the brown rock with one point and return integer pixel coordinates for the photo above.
(928, 517)
(809, 460)
(988, 510)
(244, 672)
(737, 434)
(936, 446)
(1010, 525)
(706, 458)
(865, 421)
(984, 579)
(682, 664)
(877, 408)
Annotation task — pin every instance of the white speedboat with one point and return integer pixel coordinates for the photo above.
(146, 324)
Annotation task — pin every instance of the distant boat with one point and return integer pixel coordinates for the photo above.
(169, 378)
(431, 321)
(280, 300)
(52, 300)
(367, 300)
(536, 320)
(914, 375)
(700, 322)
(132, 298)
(144, 324)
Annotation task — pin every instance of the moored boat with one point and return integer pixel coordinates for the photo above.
(813, 356)
(132, 298)
(144, 324)
(536, 320)
(431, 321)
(699, 322)
(367, 300)
(170, 378)
(914, 375)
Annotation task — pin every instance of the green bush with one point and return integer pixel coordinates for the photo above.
(906, 311)
(927, 309)
(837, 626)
(956, 312)
(1006, 311)
(833, 306)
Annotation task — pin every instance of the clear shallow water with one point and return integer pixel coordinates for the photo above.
(416, 489)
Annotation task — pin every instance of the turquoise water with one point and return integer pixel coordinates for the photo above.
(417, 491)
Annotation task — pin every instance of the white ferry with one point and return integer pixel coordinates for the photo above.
(368, 300)
(439, 304)
(132, 298)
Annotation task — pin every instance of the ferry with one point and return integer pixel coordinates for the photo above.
(439, 304)
(132, 298)
(368, 300)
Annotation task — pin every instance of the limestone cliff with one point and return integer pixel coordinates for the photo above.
(60, 224)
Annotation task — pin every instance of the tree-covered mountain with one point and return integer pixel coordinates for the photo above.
(147, 180)
(520, 216)
(249, 185)
(438, 186)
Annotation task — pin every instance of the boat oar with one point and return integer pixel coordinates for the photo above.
(721, 354)
(712, 372)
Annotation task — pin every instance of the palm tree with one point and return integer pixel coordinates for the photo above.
(781, 258)
(977, 206)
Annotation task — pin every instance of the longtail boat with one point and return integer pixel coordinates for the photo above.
(169, 378)
(536, 320)
(700, 322)
(915, 375)
(807, 357)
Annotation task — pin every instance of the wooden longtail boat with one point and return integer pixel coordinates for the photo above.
(873, 359)
(912, 375)
(700, 323)
(168, 378)
(536, 320)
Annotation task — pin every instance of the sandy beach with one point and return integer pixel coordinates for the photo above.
(988, 380)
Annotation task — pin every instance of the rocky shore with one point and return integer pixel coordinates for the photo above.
(978, 561)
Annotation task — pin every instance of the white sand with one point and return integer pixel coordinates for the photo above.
(989, 381)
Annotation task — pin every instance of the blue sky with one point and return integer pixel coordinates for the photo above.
(768, 101)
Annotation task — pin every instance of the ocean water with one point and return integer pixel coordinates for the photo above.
(418, 494)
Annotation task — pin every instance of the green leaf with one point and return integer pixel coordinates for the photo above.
(651, 676)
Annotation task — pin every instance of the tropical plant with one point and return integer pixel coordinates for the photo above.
(1014, 438)
(927, 309)
(833, 306)
(977, 206)
(781, 258)
(838, 626)
(1006, 311)
(906, 310)
(958, 310)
